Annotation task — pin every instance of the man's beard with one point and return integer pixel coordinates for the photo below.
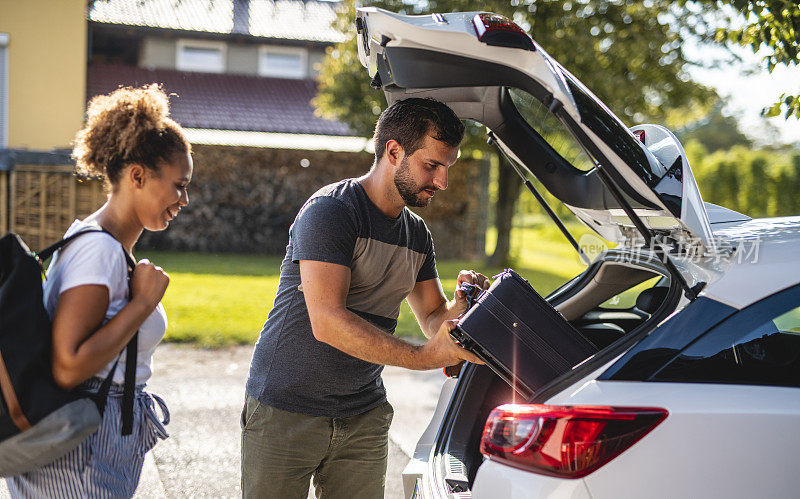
(408, 189)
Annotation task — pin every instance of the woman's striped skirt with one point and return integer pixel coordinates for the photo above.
(106, 465)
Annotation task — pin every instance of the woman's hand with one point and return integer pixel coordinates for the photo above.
(148, 284)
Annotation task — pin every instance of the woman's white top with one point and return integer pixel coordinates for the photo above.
(98, 258)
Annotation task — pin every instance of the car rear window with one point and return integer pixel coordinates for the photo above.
(550, 129)
(611, 131)
(768, 354)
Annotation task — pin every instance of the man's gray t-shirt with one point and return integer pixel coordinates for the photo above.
(292, 370)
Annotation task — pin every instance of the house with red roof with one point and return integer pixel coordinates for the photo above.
(243, 75)
(242, 71)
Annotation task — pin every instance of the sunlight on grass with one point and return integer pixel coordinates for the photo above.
(219, 300)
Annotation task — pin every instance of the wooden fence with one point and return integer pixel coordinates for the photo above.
(39, 202)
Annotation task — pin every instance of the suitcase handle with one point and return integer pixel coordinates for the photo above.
(471, 293)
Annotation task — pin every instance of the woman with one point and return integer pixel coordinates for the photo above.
(147, 164)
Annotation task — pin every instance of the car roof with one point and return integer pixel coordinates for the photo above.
(764, 260)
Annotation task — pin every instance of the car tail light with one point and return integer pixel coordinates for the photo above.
(494, 29)
(639, 134)
(564, 441)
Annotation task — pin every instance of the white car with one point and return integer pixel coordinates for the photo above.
(695, 387)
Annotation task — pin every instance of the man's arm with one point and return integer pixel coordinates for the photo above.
(325, 286)
(430, 305)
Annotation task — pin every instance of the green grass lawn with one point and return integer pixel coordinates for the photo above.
(218, 300)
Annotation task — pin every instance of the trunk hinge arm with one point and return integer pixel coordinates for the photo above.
(691, 292)
(600, 159)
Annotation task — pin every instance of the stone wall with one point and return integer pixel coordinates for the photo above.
(243, 200)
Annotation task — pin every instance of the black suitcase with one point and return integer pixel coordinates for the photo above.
(520, 336)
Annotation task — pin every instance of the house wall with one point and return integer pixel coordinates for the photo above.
(242, 59)
(160, 53)
(243, 200)
(46, 71)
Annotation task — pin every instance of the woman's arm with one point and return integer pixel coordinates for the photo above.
(82, 344)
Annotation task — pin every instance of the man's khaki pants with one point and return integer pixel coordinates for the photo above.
(282, 451)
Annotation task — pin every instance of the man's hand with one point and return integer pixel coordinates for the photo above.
(442, 350)
(470, 277)
(430, 305)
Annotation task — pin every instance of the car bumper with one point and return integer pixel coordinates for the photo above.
(498, 480)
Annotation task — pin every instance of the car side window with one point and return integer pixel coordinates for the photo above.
(741, 353)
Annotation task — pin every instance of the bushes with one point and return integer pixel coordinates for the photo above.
(758, 183)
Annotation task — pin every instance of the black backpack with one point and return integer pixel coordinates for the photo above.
(40, 421)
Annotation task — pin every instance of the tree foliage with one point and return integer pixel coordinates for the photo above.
(716, 131)
(772, 25)
(758, 183)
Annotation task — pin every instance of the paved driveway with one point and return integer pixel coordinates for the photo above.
(205, 392)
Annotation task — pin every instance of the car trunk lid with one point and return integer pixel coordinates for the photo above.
(413, 56)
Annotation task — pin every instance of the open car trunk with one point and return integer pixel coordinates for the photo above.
(544, 118)
(633, 187)
(456, 456)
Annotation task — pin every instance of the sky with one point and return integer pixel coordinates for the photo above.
(747, 94)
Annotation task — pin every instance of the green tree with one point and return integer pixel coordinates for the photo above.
(628, 52)
(756, 188)
(758, 183)
(721, 178)
(783, 196)
(716, 131)
(772, 25)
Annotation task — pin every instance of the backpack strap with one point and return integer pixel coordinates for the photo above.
(48, 251)
(102, 393)
(131, 350)
(128, 389)
(131, 354)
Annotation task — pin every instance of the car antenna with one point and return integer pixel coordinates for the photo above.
(492, 140)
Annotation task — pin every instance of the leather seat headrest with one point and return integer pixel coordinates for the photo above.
(650, 299)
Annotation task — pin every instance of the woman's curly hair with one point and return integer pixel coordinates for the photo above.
(128, 126)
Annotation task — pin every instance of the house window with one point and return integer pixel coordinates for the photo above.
(282, 62)
(3, 90)
(201, 55)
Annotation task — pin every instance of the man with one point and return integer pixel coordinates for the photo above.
(316, 405)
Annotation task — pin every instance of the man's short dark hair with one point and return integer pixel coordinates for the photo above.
(408, 121)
